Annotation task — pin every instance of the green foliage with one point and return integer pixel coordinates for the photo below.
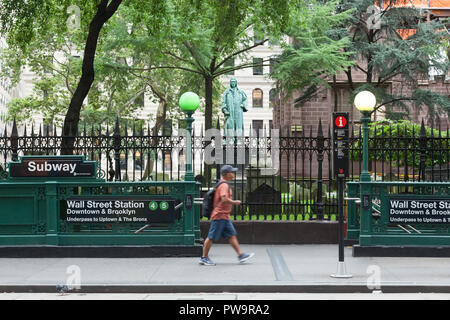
(396, 140)
(314, 53)
(54, 55)
(200, 37)
(383, 55)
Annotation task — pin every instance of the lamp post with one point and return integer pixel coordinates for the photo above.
(189, 102)
(365, 102)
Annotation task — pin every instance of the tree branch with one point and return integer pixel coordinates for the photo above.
(179, 58)
(357, 66)
(240, 67)
(153, 68)
(130, 101)
(241, 51)
(391, 101)
(195, 56)
(110, 100)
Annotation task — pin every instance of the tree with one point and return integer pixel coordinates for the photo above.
(314, 55)
(202, 37)
(23, 22)
(399, 51)
(56, 65)
(105, 10)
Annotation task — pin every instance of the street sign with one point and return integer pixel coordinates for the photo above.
(409, 210)
(119, 209)
(340, 144)
(52, 167)
(340, 121)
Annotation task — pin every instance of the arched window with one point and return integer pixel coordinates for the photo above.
(272, 97)
(257, 96)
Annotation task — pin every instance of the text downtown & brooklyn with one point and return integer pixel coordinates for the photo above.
(125, 212)
(419, 212)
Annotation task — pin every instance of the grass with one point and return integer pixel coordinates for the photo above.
(286, 198)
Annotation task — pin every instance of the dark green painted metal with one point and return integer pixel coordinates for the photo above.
(371, 231)
(30, 213)
(352, 212)
(99, 174)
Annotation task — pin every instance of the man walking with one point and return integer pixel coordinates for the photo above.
(221, 226)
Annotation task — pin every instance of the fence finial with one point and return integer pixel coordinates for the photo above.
(14, 141)
(422, 129)
(14, 132)
(319, 130)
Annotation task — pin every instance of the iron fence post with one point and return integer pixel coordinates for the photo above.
(423, 151)
(117, 150)
(320, 149)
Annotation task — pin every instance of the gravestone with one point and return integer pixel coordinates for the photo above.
(264, 200)
(256, 177)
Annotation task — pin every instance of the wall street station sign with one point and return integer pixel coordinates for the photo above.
(52, 166)
(118, 209)
(419, 210)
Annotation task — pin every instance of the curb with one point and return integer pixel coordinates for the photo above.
(224, 288)
(401, 251)
(100, 251)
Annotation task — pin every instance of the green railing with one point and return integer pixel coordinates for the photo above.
(407, 224)
(33, 212)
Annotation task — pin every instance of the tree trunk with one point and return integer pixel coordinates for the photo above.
(208, 121)
(104, 12)
(160, 118)
(208, 102)
(335, 93)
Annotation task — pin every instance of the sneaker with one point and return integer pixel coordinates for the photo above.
(207, 261)
(245, 256)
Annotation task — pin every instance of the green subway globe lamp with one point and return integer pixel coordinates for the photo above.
(189, 102)
(365, 102)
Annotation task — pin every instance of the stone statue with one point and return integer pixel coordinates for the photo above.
(234, 104)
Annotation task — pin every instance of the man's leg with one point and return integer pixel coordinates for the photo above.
(206, 246)
(235, 244)
(214, 228)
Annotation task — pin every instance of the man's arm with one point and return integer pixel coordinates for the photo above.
(223, 196)
(225, 199)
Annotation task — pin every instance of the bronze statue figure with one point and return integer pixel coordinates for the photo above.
(234, 104)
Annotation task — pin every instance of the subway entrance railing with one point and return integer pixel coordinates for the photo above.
(64, 201)
(399, 213)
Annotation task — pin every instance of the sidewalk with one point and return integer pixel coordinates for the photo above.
(280, 268)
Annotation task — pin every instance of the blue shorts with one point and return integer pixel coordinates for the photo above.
(221, 229)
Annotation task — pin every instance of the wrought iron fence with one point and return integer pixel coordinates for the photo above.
(283, 175)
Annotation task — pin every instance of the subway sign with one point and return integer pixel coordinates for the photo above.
(427, 211)
(118, 209)
(52, 167)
